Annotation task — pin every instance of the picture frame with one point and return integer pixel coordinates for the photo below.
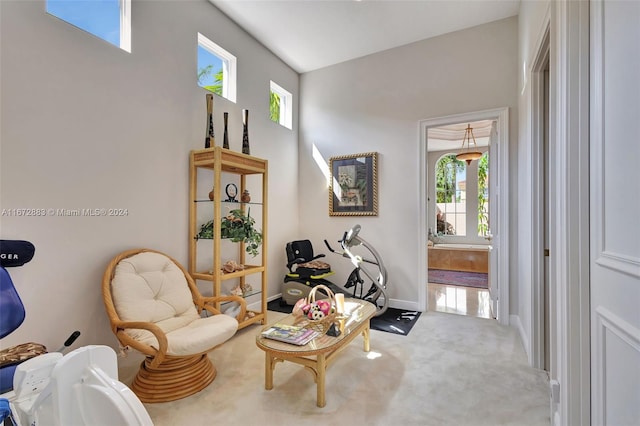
(353, 187)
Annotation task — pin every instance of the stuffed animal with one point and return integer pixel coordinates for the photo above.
(324, 306)
(301, 308)
(315, 313)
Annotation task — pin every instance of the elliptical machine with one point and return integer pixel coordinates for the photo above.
(306, 271)
(377, 291)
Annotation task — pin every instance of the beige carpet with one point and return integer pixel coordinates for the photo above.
(451, 370)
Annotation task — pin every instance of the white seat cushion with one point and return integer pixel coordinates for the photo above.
(150, 287)
(198, 336)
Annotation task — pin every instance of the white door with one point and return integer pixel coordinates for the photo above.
(615, 212)
(494, 194)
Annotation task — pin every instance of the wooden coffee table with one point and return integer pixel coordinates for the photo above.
(318, 354)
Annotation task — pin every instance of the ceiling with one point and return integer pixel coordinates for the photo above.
(446, 138)
(312, 34)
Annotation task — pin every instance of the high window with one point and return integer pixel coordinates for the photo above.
(281, 106)
(108, 19)
(216, 69)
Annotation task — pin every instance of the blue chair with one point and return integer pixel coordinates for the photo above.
(12, 314)
(13, 253)
(12, 311)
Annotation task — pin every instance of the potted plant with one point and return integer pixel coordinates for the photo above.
(237, 227)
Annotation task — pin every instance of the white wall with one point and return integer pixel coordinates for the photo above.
(375, 104)
(86, 125)
(531, 27)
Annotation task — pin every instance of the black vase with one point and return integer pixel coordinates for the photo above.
(245, 132)
(209, 139)
(225, 137)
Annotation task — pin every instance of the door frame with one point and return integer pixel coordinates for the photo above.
(569, 152)
(501, 115)
(536, 335)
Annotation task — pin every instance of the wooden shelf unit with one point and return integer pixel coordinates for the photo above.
(216, 161)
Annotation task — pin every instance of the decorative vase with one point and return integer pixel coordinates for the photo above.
(245, 197)
(211, 194)
(225, 137)
(209, 140)
(245, 132)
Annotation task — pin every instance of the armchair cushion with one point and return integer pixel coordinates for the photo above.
(150, 287)
(198, 336)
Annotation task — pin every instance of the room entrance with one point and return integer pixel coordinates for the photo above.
(459, 237)
(461, 200)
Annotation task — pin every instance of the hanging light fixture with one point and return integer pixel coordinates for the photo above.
(469, 155)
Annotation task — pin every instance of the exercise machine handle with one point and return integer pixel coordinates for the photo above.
(329, 247)
(69, 341)
(343, 254)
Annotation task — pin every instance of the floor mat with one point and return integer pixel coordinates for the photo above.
(466, 279)
(278, 305)
(396, 321)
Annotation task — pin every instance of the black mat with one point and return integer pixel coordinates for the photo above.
(277, 305)
(396, 321)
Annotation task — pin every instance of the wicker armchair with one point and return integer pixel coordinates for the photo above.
(155, 307)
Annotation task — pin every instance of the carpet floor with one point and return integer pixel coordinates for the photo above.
(396, 321)
(450, 371)
(461, 278)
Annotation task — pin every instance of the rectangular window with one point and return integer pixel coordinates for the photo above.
(451, 196)
(108, 19)
(281, 106)
(216, 69)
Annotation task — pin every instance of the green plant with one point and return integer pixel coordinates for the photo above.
(446, 170)
(274, 107)
(204, 73)
(238, 228)
(483, 195)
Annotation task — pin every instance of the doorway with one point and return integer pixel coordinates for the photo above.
(499, 257)
(458, 217)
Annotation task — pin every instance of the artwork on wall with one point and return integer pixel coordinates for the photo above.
(353, 188)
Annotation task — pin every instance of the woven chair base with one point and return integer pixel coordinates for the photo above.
(174, 379)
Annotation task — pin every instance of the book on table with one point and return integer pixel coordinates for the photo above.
(290, 334)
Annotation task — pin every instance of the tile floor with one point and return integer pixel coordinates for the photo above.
(459, 300)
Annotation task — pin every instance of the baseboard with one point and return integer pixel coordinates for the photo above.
(404, 304)
(255, 306)
(514, 321)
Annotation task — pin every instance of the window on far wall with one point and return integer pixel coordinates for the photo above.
(216, 69)
(108, 19)
(281, 105)
(451, 196)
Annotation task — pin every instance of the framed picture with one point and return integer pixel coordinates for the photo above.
(353, 188)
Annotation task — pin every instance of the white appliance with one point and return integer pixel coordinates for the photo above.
(80, 388)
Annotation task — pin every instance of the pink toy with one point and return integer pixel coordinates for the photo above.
(324, 306)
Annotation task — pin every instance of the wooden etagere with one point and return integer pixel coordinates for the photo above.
(219, 162)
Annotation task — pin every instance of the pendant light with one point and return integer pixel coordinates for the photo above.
(469, 155)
